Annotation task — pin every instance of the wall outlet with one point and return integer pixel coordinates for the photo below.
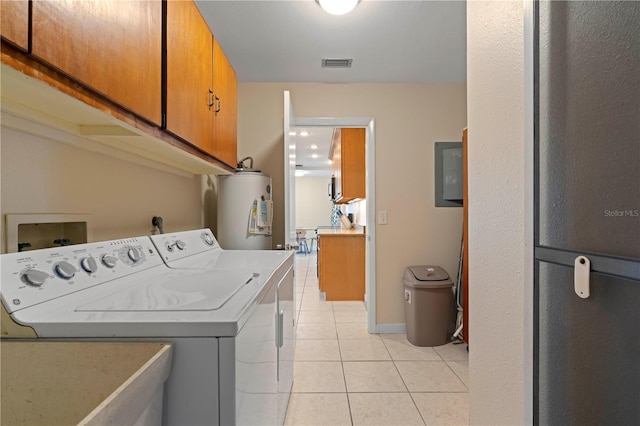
(382, 217)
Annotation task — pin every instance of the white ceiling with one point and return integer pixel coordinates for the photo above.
(313, 161)
(389, 41)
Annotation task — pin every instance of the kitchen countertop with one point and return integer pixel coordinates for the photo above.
(46, 383)
(355, 232)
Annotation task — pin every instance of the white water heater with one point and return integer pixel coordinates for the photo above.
(245, 211)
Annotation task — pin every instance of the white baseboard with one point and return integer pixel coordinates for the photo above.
(391, 328)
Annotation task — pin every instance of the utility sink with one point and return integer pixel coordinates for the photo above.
(89, 383)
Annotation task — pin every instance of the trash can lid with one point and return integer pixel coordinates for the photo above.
(428, 273)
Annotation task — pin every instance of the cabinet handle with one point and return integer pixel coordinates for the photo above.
(211, 101)
(218, 105)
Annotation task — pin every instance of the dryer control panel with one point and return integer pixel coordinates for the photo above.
(179, 245)
(33, 277)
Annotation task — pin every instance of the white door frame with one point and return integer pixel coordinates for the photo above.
(529, 124)
(369, 124)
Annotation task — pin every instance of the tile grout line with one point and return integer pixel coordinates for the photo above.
(344, 376)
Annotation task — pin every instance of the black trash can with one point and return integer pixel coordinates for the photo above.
(428, 296)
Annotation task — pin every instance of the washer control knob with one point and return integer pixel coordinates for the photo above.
(180, 244)
(65, 270)
(169, 247)
(89, 264)
(35, 277)
(109, 261)
(133, 254)
(207, 238)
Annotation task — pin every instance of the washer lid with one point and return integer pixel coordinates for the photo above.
(206, 291)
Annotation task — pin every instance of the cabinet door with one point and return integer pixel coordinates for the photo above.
(114, 47)
(225, 87)
(14, 22)
(342, 267)
(353, 163)
(189, 75)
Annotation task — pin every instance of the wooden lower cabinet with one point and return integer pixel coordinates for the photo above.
(341, 266)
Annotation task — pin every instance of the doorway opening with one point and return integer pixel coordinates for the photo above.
(368, 123)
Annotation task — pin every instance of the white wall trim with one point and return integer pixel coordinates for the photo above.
(369, 124)
(391, 328)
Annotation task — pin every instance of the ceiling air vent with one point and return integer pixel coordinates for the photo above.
(336, 63)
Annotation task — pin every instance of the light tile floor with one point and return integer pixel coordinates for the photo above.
(345, 376)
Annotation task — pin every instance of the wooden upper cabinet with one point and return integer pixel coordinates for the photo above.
(14, 22)
(225, 87)
(348, 164)
(189, 75)
(114, 47)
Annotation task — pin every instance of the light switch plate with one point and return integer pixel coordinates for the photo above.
(382, 217)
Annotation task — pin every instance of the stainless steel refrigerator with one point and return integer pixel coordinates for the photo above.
(587, 232)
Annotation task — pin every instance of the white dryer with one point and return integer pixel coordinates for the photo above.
(122, 290)
(198, 250)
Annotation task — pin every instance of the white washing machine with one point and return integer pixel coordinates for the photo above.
(198, 250)
(122, 290)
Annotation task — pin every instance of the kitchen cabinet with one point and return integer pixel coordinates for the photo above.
(97, 72)
(113, 47)
(14, 22)
(348, 164)
(190, 100)
(341, 264)
(225, 88)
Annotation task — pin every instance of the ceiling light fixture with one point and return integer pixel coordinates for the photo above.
(314, 155)
(338, 7)
(304, 133)
(314, 147)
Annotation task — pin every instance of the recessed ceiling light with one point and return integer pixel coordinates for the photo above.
(300, 173)
(330, 162)
(314, 155)
(292, 147)
(304, 133)
(314, 147)
(292, 133)
(292, 156)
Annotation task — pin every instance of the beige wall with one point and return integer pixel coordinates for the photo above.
(42, 176)
(313, 207)
(499, 194)
(409, 119)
